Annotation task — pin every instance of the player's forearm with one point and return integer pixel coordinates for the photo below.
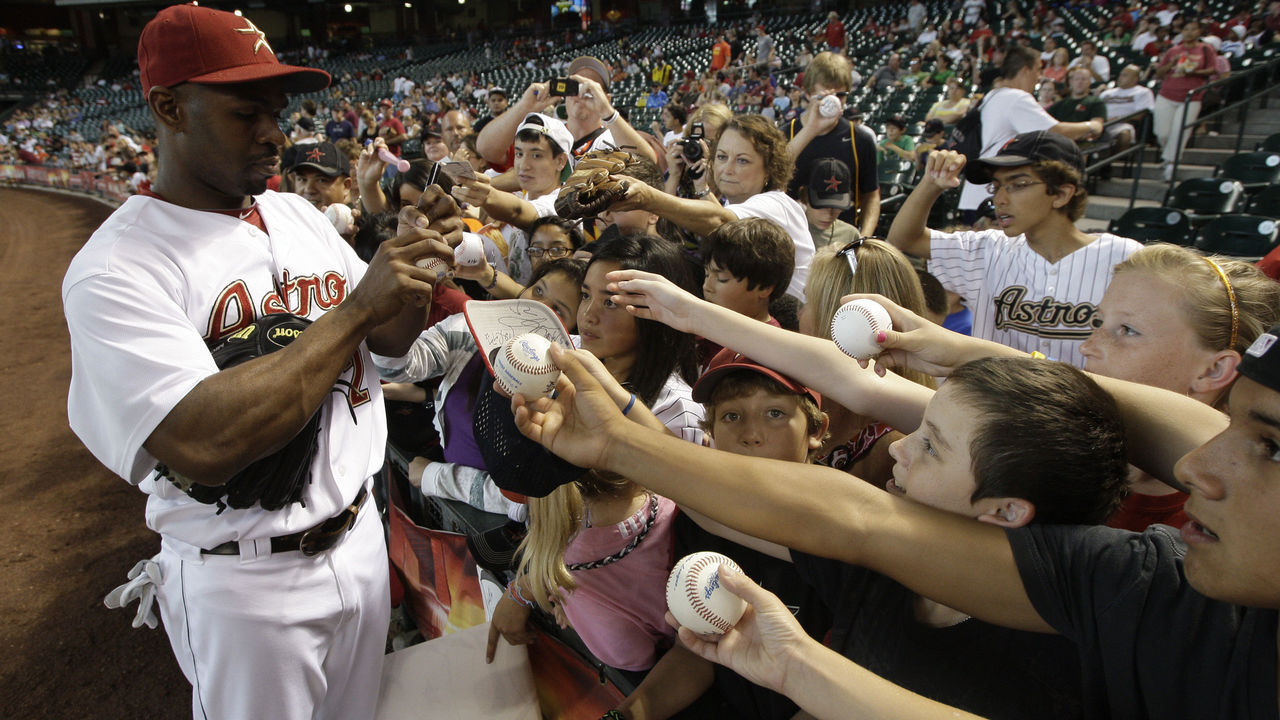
(909, 231)
(395, 336)
(826, 684)
(673, 684)
(245, 412)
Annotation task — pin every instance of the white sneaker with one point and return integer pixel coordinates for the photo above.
(1167, 171)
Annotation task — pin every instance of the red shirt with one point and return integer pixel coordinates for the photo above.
(1138, 512)
(1177, 88)
(1270, 265)
(720, 55)
(398, 128)
(835, 34)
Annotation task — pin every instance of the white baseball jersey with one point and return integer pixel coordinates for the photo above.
(779, 207)
(1122, 102)
(150, 288)
(1019, 298)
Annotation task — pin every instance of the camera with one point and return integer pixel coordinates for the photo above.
(564, 87)
(830, 106)
(691, 147)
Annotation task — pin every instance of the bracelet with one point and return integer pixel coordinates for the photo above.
(493, 283)
(613, 715)
(513, 589)
(630, 404)
(611, 119)
(700, 195)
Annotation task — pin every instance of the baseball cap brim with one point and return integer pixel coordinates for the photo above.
(705, 387)
(840, 201)
(293, 79)
(978, 172)
(328, 171)
(587, 62)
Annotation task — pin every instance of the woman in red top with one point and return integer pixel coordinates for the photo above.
(1183, 69)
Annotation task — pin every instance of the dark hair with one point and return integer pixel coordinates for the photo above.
(416, 176)
(1055, 174)
(644, 170)
(897, 121)
(309, 106)
(677, 111)
(530, 135)
(767, 140)
(786, 310)
(935, 296)
(570, 228)
(755, 250)
(371, 230)
(660, 349)
(572, 268)
(1069, 456)
(1017, 58)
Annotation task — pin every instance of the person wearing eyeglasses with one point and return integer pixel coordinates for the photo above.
(820, 136)
(550, 238)
(1035, 280)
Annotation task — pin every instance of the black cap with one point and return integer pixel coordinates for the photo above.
(323, 156)
(830, 185)
(1261, 362)
(432, 131)
(498, 90)
(1025, 149)
(306, 123)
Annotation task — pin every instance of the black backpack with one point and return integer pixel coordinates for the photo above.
(966, 135)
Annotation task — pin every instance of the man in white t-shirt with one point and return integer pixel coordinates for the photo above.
(542, 156)
(280, 612)
(1125, 100)
(1034, 283)
(1011, 109)
(1098, 66)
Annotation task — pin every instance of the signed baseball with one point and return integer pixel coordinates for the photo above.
(434, 264)
(470, 251)
(340, 215)
(524, 367)
(696, 598)
(854, 327)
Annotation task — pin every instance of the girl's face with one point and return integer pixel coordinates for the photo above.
(559, 293)
(740, 170)
(409, 195)
(1142, 334)
(607, 330)
(932, 465)
(553, 242)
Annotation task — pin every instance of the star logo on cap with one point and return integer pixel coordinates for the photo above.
(315, 155)
(262, 37)
(833, 184)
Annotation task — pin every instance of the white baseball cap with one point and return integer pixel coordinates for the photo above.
(554, 128)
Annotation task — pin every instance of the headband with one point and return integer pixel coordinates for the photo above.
(1231, 296)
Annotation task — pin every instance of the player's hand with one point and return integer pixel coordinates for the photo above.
(578, 424)
(511, 622)
(443, 216)
(590, 91)
(393, 278)
(919, 344)
(474, 192)
(653, 297)
(944, 169)
(762, 646)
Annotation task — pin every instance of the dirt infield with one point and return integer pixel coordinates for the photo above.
(71, 528)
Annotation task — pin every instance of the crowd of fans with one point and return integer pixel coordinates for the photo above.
(745, 211)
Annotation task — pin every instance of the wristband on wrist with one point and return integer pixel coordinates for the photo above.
(613, 715)
(630, 404)
(513, 589)
(699, 195)
(611, 119)
(494, 282)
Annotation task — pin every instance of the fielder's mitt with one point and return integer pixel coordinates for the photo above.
(590, 190)
(276, 480)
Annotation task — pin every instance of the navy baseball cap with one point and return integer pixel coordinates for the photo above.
(1025, 149)
(830, 185)
(323, 156)
(1261, 362)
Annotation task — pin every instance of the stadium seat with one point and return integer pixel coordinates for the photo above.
(1254, 169)
(1265, 202)
(1206, 197)
(1271, 144)
(1245, 236)
(1153, 224)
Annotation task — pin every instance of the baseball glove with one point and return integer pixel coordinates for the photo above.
(278, 479)
(590, 190)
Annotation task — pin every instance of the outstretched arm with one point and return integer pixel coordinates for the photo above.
(946, 557)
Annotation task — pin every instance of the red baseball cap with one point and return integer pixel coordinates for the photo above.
(189, 43)
(727, 361)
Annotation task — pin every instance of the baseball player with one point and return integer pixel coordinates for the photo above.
(1034, 283)
(283, 613)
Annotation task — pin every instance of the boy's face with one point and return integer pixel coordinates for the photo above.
(537, 167)
(723, 289)
(763, 424)
(1233, 538)
(932, 465)
(821, 218)
(1021, 200)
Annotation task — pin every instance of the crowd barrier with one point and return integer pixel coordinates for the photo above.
(85, 181)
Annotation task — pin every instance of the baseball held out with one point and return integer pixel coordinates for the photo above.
(696, 598)
(854, 328)
(524, 367)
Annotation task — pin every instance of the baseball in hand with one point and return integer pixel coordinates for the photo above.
(524, 367)
(854, 327)
(340, 215)
(470, 251)
(434, 264)
(696, 598)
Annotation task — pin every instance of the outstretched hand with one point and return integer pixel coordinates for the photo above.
(944, 168)
(579, 422)
(915, 343)
(764, 643)
(653, 297)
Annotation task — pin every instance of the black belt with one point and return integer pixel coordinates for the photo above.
(311, 541)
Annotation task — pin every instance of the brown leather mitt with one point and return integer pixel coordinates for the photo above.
(590, 190)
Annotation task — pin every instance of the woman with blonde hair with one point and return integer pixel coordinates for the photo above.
(867, 265)
(1181, 321)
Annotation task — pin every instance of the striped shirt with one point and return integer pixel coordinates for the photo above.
(1018, 297)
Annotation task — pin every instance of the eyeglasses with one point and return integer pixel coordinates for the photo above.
(850, 256)
(554, 253)
(1016, 187)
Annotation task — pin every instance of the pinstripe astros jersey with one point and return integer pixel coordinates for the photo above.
(1019, 298)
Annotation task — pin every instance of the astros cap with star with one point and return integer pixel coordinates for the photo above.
(322, 156)
(189, 43)
(1026, 149)
(830, 185)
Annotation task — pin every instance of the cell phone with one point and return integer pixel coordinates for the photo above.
(564, 87)
(440, 176)
(458, 170)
